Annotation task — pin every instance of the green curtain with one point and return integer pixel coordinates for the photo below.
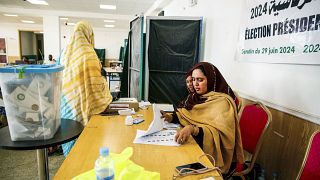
(101, 53)
(124, 74)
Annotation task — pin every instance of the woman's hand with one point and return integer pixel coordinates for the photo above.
(166, 116)
(184, 134)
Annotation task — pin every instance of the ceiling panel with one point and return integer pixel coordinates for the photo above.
(124, 7)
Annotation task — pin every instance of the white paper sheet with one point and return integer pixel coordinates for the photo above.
(144, 104)
(157, 123)
(170, 125)
(166, 107)
(164, 138)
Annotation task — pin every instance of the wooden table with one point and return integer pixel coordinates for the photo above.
(112, 70)
(111, 131)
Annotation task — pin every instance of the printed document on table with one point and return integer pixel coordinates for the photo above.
(164, 138)
(156, 125)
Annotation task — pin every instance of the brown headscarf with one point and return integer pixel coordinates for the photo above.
(215, 82)
(189, 73)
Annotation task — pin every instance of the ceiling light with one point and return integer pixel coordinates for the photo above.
(109, 25)
(64, 18)
(103, 6)
(27, 21)
(39, 2)
(109, 21)
(11, 15)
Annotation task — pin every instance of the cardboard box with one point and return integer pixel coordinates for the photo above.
(124, 103)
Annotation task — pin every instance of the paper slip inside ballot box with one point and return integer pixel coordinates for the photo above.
(156, 125)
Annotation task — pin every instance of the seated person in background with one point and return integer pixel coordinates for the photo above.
(190, 89)
(210, 116)
(25, 60)
(50, 60)
(189, 83)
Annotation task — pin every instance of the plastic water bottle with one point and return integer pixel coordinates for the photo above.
(104, 166)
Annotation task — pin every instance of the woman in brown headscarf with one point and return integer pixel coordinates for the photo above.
(189, 82)
(210, 116)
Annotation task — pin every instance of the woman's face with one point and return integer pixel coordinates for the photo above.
(199, 82)
(189, 84)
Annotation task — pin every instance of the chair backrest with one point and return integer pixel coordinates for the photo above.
(254, 121)
(310, 168)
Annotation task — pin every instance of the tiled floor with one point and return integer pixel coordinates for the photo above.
(15, 165)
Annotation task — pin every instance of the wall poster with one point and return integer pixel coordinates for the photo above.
(3, 50)
(280, 31)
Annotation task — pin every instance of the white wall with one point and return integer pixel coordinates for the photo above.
(104, 38)
(287, 87)
(111, 40)
(51, 33)
(11, 33)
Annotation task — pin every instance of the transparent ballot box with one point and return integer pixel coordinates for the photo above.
(31, 95)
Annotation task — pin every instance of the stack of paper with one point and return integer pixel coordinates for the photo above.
(154, 135)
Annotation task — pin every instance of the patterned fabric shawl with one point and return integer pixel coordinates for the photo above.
(218, 118)
(84, 90)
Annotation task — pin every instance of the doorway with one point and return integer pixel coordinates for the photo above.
(31, 46)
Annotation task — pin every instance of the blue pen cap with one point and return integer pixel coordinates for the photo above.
(104, 151)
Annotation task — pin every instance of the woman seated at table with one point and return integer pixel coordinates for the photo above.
(189, 83)
(210, 116)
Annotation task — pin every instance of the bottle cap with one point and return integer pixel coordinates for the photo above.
(104, 151)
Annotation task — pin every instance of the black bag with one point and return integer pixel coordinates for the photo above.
(254, 174)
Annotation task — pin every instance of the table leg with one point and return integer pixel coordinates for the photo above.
(43, 170)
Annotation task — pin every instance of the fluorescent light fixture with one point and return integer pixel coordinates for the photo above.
(109, 25)
(27, 21)
(11, 15)
(71, 24)
(104, 6)
(38, 2)
(109, 21)
(64, 18)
